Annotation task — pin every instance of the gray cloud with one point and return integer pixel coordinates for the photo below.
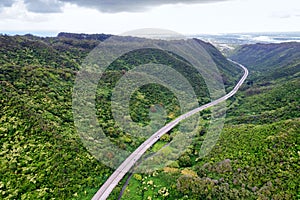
(108, 6)
(6, 3)
(130, 5)
(43, 6)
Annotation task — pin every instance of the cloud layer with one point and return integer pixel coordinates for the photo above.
(6, 3)
(130, 5)
(108, 6)
(44, 6)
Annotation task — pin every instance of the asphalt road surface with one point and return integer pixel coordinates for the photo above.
(120, 172)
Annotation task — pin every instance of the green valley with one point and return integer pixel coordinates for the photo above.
(43, 157)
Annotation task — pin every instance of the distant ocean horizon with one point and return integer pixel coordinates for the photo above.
(246, 38)
(226, 38)
(35, 33)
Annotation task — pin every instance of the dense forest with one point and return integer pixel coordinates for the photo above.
(42, 156)
(257, 156)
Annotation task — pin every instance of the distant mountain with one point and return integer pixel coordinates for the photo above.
(67, 50)
(250, 38)
(82, 36)
(272, 93)
(271, 61)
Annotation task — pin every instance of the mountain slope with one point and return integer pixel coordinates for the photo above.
(272, 93)
(230, 72)
(257, 155)
(271, 61)
(42, 156)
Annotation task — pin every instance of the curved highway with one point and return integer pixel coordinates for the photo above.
(120, 172)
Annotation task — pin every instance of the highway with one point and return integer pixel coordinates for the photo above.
(120, 172)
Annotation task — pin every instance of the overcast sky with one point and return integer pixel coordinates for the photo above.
(183, 16)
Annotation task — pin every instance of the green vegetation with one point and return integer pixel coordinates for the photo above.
(272, 91)
(248, 162)
(257, 155)
(42, 156)
(270, 61)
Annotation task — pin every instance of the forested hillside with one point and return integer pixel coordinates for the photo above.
(272, 92)
(257, 155)
(42, 156)
(270, 61)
